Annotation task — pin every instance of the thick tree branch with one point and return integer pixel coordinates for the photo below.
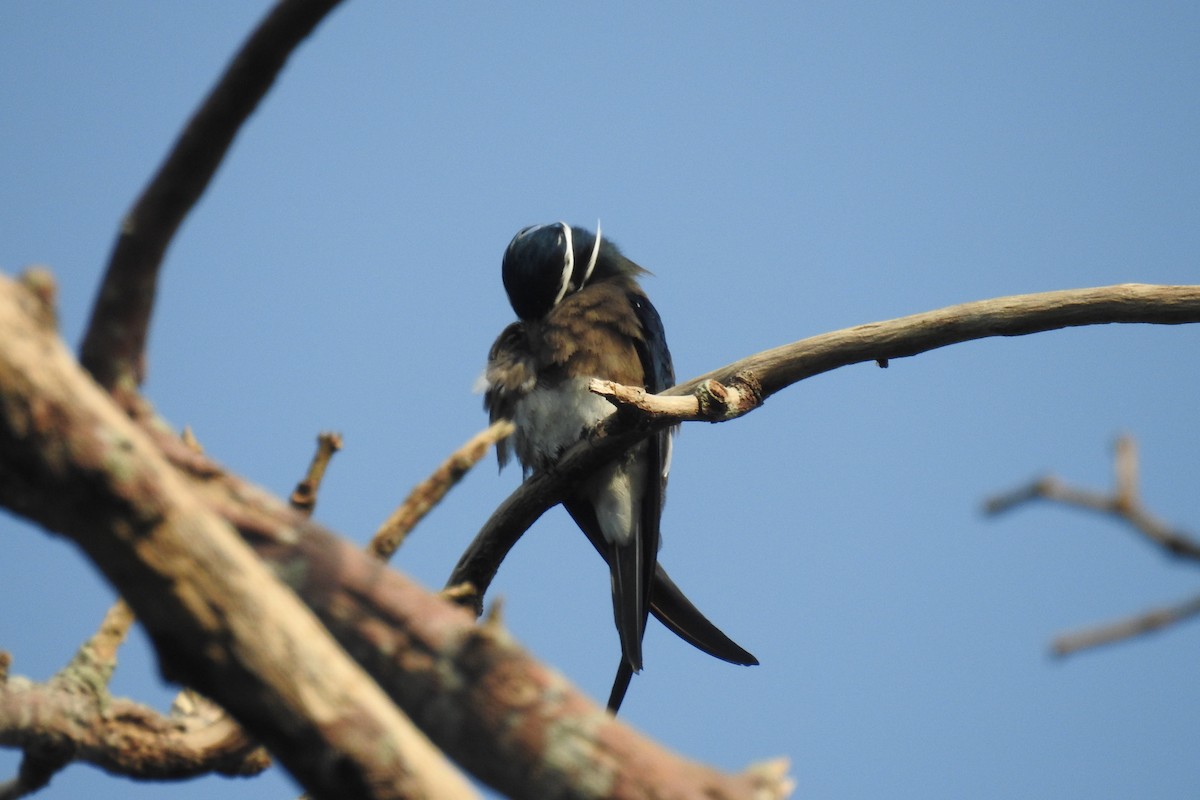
(74, 462)
(512, 722)
(772, 370)
(114, 346)
(71, 460)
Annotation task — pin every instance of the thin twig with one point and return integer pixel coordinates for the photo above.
(1138, 625)
(1123, 504)
(429, 492)
(711, 401)
(1017, 315)
(304, 496)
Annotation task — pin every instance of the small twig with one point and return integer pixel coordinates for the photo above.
(464, 594)
(114, 628)
(188, 437)
(429, 492)
(304, 496)
(1125, 464)
(710, 401)
(1049, 488)
(773, 779)
(1123, 504)
(1139, 625)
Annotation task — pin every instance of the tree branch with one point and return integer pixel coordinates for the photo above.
(1016, 315)
(768, 372)
(429, 492)
(1123, 504)
(304, 496)
(72, 461)
(114, 346)
(73, 717)
(115, 734)
(1137, 625)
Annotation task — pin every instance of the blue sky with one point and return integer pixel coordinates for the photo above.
(784, 170)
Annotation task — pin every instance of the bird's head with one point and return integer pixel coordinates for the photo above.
(545, 263)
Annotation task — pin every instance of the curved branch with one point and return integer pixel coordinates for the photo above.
(429, 492)
(114, 346)
(775, 369)
(1016, 315)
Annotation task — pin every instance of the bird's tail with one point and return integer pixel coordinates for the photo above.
(674, 610)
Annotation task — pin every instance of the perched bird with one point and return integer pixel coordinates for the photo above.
(582, 315)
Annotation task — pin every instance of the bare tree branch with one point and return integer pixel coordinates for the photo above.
(72, 461)
(711, 401)
(75, 463)
(114, 346)
(429, 492)
(304, 496)
(1137, 625)
(74, 718)
(1123, 504)
(115, 734)
(772, 370)
(1017, 315)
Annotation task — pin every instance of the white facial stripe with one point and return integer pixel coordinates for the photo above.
(592, 261)
(568, 265)
(521, 234)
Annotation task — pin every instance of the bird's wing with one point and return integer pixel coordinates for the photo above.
(509, 376)
(634, 562)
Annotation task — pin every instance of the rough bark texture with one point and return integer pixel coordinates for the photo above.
(73, 462)
(162, 523)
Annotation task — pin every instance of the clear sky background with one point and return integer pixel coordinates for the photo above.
(785, 169)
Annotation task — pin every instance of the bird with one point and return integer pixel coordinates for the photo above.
(581, 314)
